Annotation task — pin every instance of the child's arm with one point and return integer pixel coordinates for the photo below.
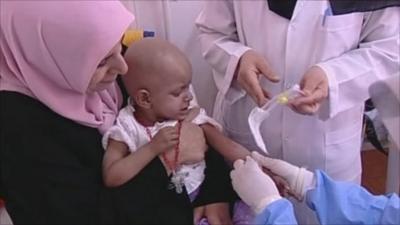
(120, 165)
(233, 151)
(229, 149)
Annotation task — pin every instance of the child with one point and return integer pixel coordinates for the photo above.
(154, 155)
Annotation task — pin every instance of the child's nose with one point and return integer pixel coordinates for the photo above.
(189, 96)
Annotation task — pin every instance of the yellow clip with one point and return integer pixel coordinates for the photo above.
(131, 36)
(283, 98)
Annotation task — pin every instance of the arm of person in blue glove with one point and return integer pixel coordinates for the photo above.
(347, 203)
(278, 212)
(335, 202)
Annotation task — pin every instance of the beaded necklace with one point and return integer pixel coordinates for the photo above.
(177, 179)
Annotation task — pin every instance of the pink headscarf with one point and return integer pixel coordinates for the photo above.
(51, 49)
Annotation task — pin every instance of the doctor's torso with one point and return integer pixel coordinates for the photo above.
(291, 47)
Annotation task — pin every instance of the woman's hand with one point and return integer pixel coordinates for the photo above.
(215, 213)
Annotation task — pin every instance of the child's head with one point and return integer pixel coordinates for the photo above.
(158, 79)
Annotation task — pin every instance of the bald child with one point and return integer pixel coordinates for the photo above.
(156, 147)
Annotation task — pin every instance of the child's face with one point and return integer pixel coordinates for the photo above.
(171, 99)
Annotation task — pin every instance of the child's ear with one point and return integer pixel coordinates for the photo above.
(142, 98)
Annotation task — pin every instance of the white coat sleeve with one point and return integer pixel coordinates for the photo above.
(347, 203)
(220, 46)
(376, 58)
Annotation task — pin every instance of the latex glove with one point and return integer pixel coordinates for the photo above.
(314, 85)
(254, 187)
(215, 213)
(251, 67)
(300, 180)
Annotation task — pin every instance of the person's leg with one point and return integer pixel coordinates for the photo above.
(242, 214)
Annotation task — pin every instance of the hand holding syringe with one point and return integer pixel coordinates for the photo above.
(282, 98)
(258, 115)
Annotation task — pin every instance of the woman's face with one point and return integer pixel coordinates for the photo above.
(108, 70)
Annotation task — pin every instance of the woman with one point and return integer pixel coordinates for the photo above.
(59, 61)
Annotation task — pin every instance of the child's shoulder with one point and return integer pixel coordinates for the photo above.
(126, 111)
(126, 118)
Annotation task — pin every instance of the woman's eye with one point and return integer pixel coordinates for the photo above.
(102, 63)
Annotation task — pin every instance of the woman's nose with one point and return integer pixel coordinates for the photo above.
(120, 66)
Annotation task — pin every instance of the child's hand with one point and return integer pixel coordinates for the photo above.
(166, 139)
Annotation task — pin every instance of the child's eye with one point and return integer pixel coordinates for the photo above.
(176, 94)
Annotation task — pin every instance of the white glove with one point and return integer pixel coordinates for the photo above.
(253, 186)
(300, 179)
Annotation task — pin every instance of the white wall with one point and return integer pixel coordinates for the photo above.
(174, 21)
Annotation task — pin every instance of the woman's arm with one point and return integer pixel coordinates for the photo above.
(233, 151)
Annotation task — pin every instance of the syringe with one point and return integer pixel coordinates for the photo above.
(259, 114)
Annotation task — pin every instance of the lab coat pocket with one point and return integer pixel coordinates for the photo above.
(343, 147)
(342, 135)
(341, 22)
(337, 35)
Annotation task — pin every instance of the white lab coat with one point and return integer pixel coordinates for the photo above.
(354, 50)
